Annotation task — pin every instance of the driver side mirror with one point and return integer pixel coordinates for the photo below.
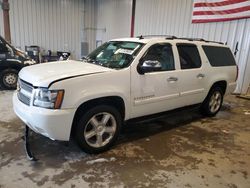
(149, 66)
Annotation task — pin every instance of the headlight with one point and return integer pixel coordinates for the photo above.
(48, 98)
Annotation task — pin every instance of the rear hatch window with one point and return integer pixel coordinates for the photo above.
(219, 56)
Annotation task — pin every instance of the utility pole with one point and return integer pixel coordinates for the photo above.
(6, 19)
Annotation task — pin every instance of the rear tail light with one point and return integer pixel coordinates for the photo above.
(237, 73)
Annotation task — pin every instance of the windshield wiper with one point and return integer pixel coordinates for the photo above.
(92, 61)
(88, 60)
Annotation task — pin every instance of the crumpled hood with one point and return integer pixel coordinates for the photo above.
(43, 74)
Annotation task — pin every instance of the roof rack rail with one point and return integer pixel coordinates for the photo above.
(165, 36)
(192, 39)
(174, 37)
(215, 42)
(200, 39)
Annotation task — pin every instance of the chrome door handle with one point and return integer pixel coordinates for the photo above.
(200, 76)
(172, 79)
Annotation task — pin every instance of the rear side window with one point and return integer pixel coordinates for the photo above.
(219, 56)
(189, 56)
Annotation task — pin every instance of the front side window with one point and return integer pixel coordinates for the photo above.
(163, 54)
(189, 56)
(114, 54)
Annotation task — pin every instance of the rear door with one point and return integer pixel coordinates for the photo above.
(192, 75)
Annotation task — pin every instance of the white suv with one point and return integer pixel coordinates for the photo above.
(122, 79)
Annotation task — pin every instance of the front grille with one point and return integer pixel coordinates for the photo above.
(25, 92)
(26, 86)
(23, 98)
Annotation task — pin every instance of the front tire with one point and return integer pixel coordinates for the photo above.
(8, 79)
(98, 128)
(213, 102)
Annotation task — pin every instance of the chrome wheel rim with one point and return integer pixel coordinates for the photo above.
(10, 79)
(215, 102)
(100, 129)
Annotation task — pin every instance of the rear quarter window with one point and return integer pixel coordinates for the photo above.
(219, 56)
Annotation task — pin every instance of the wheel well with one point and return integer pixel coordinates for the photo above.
(114, 101)
(222, 84)
(10, 65)
(9, 68)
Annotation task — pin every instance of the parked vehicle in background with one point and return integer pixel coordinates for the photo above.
(12, 61)
(55, 56)
(121, 80)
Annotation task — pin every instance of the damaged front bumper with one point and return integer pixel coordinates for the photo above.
(29, 154)
(54, 124)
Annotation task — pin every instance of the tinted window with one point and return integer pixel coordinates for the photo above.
(162, 53)
(219, 56)
(189, 56)
(3, 48)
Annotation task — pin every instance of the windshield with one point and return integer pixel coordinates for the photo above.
(114, 54)
(6, 47)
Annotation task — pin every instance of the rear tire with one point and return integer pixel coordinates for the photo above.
(8, 78)
(213, 102)
(98, 128)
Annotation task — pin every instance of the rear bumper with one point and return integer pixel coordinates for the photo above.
(55, 124)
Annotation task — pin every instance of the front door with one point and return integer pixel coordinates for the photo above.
(155, 91)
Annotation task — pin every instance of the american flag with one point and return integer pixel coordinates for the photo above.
(220, 10)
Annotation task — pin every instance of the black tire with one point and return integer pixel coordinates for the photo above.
(84, 127)
(8, 78)
(206, 107)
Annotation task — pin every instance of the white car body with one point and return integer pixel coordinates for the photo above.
(142, 95)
